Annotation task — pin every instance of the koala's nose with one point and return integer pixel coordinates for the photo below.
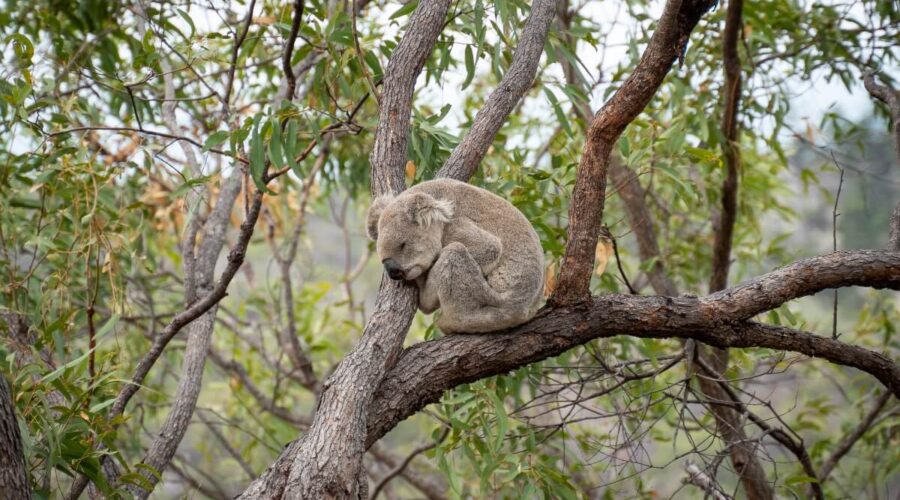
(392, 269)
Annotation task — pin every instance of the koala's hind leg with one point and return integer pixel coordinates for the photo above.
(468, 304)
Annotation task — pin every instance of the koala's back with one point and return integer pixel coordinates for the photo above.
(519, 275)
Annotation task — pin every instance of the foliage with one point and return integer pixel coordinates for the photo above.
(96, 195)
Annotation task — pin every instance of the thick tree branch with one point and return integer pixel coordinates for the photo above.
(891, 97)
(464, 160)
(724, 226)
(326, 463)
(425, 370)
(588, 198)
(13, 473)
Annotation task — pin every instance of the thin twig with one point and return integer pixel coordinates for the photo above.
(148, 132)
(232, 67)
(834, 216)
(399, 469)
(289, 50)
(619, 262)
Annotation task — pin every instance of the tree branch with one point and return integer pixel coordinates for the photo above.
(588, 197)
(13, 472)
(850, 439)
(724, 230)
(327, 461)
(290, 77)
(425, 370)
(464, 160)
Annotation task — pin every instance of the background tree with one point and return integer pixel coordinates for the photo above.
(189, 301)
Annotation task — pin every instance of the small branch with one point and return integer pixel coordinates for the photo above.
(402, 466)
(223, 441)
(289, 50)
(850, 439)
(466, 157)
(834, 216)
(795, 447)
(615, 246)
(232, 67)
(701, 480)
(148, 132)
(359, 55)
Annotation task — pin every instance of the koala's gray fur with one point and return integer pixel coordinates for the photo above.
(471, 253)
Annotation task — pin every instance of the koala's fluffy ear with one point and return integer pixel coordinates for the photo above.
(425, 209)
(378, 206)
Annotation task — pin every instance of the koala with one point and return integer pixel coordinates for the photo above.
(471, 254)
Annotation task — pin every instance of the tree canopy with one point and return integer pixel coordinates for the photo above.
(189, 305)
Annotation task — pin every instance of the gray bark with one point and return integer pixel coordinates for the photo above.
(166, 441)
(427, 369)
(328, 460)
(13, 475)
(324, 463)
(467, 156)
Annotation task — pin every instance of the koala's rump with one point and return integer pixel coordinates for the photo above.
(519, 276)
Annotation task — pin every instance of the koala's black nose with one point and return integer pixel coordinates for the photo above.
(392, 269)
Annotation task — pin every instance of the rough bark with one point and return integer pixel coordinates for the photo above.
(337, 443)
(465, 159)
(891, 97)
(588, 197)
(729, 423)
(13, 475)
(425, 370)
(167, 439)
(327, 461)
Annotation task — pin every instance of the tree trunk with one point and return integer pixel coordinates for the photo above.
(13, 476)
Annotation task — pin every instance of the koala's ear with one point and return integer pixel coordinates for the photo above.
(426, 209)
(375, 210)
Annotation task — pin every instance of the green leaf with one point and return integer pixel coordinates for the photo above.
(258, 157)
(276, 151)
(215, 139)
(470, 67)
(406, 9)
(22, 46)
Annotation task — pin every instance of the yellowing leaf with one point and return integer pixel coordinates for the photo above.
(601, 255)
(549, 279)
(410, 170)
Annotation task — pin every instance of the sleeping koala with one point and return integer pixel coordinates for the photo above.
(471, 253)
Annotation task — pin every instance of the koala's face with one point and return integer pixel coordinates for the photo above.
(408, 231)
